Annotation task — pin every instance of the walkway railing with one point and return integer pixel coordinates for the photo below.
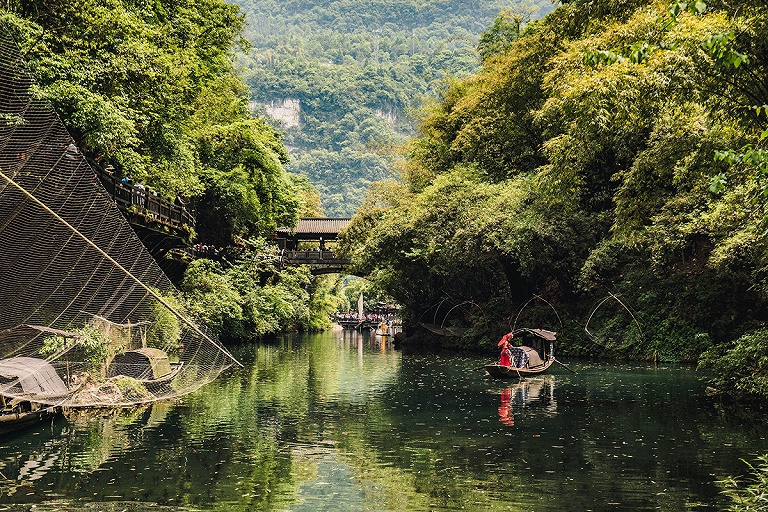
(136, 197)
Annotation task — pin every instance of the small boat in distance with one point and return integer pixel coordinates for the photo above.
(534, 354)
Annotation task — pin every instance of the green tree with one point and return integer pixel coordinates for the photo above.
(498, 37)
(149, 89)
(248, 193)
(254, 297)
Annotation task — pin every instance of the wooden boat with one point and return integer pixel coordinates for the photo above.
(533, 356)
(20, 376)
(24, 415)
(385, 329)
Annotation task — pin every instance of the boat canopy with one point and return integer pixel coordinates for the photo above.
(538, 344)
(539, 333)
(21, 375)
(142, 364)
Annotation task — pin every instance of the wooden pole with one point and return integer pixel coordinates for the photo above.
(564, 366)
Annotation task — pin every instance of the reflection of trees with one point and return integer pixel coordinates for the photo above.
(81, 446)
(96, 435)
(292, 397)
(238, 443)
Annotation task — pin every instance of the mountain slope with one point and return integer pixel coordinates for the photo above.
(343, 77)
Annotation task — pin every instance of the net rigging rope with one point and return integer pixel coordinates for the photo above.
(86, 317)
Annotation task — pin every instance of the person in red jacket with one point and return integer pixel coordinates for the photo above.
(505, 358)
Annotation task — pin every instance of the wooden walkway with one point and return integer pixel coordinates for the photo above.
(143, 207)
(165, 226)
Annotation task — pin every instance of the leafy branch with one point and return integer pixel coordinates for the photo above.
(753, 157)
(639, 52)
(718, 46)
(636, 54)
(7, 119)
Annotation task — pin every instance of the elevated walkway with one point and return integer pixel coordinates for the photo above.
(161, 224)
(317, 232)
(312, 229)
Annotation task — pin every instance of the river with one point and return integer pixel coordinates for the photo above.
(341, 422)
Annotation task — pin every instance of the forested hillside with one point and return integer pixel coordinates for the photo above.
(345, 77)
(611, 164)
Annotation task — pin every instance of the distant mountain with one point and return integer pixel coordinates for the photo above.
(344, 77)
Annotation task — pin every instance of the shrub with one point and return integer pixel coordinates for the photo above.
(751, 494)
(741, 369)
(91, 347)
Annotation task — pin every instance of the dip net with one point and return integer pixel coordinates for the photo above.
(87, 317)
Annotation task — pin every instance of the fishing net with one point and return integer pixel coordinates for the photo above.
(87, 317)
(445, 331)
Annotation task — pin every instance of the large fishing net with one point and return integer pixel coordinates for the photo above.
(87, 317)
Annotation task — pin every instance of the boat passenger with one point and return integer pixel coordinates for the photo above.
(505, 358)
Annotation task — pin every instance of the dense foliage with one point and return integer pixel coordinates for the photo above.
(150, 89)
(742, 366)
(613, 149)
(357, 70)
(254, 297)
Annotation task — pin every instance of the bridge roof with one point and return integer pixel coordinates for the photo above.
(317, 226)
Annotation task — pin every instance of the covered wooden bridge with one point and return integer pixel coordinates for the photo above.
(312, 242)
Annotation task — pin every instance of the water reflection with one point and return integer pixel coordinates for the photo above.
(538, 392)
(340, 421)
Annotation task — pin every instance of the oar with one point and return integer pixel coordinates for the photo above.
(564, 366)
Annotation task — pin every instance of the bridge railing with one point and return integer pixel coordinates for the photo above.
(127, 196)
(319, 261)
(299, 256)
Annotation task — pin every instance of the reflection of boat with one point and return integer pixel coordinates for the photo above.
(27, 375)
(538, 392)
(533, 356)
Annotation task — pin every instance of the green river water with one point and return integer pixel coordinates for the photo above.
(341, 422)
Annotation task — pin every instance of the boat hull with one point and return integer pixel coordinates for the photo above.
(13, 421)
(510, 372)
